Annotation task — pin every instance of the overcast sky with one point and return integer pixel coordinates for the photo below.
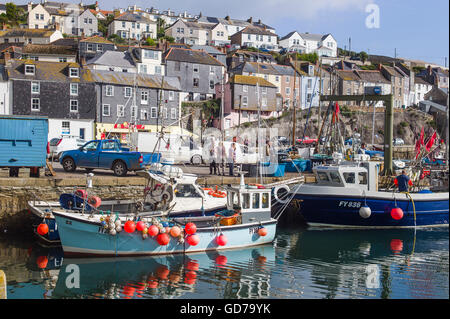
(415, 29)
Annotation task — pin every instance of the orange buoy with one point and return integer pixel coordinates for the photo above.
(163, 239)
(81, 193)
(153, 230)
(42, 229)
(140, 225)
(175, 231)
(42, 262)
(262, 231)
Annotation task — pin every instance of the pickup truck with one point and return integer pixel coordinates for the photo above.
(105, 154)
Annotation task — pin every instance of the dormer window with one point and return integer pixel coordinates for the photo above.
(74, 72)
(30, 69)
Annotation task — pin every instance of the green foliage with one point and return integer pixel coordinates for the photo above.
(368, 67)
(103, 25)
(418, 69)
(150, 42)
(363, 56)
(403, 124)
(310, 57)
(116, 39)
(14, 16)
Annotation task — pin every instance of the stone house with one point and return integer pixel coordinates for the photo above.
(132, 26)
(91, 47)
(236, 57)
(397, 84)
(194, 33)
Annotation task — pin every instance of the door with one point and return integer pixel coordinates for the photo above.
(82, 133)
(88, 155)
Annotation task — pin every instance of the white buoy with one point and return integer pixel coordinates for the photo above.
(112, 232)
(365, 212)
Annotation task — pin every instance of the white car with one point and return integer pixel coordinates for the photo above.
(398, 141)
(64, 143)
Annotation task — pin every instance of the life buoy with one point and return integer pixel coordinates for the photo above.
(258, 186)
(278, 196)
(217, 193)
(81, 193)
(207, 188)
(94, 201)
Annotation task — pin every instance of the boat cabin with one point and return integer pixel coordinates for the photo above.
(254, 204)
(362, 175)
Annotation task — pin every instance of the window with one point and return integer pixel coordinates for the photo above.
(149, 54)
(143, 68)
(245, 88)
(35, 104)
(144, 97)
(73, 105)
(133, 25)
(65, 127)
(173, 113)
(265, 200)
(73, 72)
(73, 88)
(349, 178)
(322, 176)
(144, 115)
(99, 48)
(123, 24)
(362, 176)
(211, 84)
(264, 101)
(29, 69)
(158, 69)
(127, 91)
(335, 177)
(264, 90)
(244, 101)
(308, 97)
(288, 91)
(90, 47)
(85, 20)
(245, 201)
(35, 88)
(62, 59)
(211, 70)
(171, 95)
(153, 112)
(177, 65)
(309, 83)
(195, 82)
(106, 110)
(195, 68)
(255, 200)
(133, 110)
(277, 78)
(109, 90)
(90, 21)
(120, 111)
(42, 17)
(288, 79)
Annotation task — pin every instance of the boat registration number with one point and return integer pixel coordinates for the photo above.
(344, 203)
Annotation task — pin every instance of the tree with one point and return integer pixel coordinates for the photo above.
(363, 56)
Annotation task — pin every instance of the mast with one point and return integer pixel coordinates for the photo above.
(295, 100)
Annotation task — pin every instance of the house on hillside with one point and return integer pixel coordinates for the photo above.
(132, 26)
(194, 33)
(115, 61)
(323, 45)
(30, 36)
(255, 37)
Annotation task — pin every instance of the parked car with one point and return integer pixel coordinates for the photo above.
(105, 154)
(306, 140)
(243, 153)
(398, 141)
(64, 143)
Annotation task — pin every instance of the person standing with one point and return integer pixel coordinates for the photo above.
(403, 181)
(212, 159)
(232, 156)
(221, 155)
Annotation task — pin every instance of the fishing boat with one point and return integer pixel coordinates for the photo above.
(245, 222)
(164, 182)
(347, 195)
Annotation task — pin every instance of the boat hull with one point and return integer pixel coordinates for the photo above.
(341, 210)
(80, 237)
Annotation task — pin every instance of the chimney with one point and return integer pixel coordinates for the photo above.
(116, 13)
(4, 26)
(259, 21)
(379, 67)
(96, 6)
(227, 18)
(429, 70)
(250, 20)
(30, 6)
(7, 56)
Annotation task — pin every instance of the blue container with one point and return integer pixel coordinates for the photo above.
(23, 141)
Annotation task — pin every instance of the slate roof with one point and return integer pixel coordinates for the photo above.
(96, 39)
(264, 68)
(138, 79)
(256, 30)
(373, 76)
(209, 49)
(191, 56)
(250, 80)
(45, 71)
(114, 58)
(128, 16)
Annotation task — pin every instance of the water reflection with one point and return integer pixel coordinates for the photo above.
(301, 263)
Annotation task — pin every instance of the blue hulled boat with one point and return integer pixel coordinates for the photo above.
(347, 195)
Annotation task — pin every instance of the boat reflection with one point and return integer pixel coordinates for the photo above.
(230, 274)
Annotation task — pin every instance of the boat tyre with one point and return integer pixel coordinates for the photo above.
(119, 168)
(280, 193)
(69, 164)
(196, 160)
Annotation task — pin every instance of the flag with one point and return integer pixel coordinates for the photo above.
(336, 113)
(421, 137)
(430, 142)
(417, 148)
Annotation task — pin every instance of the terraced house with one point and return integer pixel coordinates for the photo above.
(132, 26)
(141, 99)
(197, 70)
(31, 36)
(194, 33)
(60, 91)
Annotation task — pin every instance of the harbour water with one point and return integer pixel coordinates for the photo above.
(301, 264)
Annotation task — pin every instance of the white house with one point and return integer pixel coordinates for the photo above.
(148, 60)
(255, 37)
(421, 87)
(32, 36)
(130, 25)
(194, 33)
(5, 107)
(323, 45)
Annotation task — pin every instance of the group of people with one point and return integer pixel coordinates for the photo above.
(218, 157)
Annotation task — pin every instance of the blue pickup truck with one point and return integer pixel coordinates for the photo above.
(105, 154)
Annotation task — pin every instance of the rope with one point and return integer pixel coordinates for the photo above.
(414, 207)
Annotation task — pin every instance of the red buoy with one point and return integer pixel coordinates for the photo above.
(42, 262)
(175, 231)
(163, 239)
(42, 229)
(140, 225)
(193, 240)
(397, 213)
(94, 201)
(190, 228)
(129, 226)
(153, 230)
(221, 260)
(262, 231)
(396, 245)
(221, 240)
